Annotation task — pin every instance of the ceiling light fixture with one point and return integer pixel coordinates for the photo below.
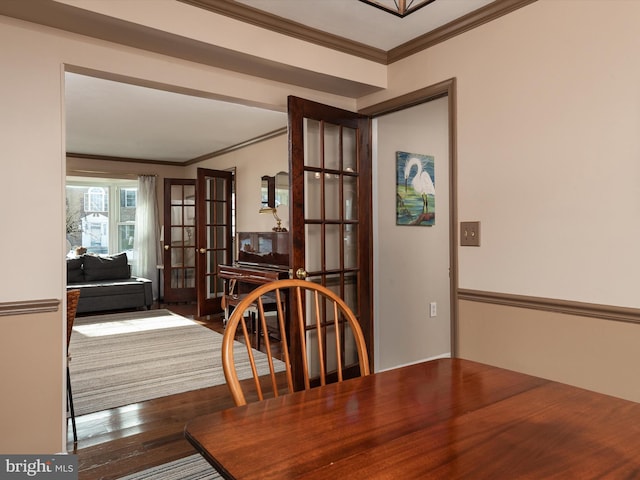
(399, 8)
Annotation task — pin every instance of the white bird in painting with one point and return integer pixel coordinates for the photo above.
(421, 183)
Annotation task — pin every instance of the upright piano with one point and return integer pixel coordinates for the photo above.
(262, 258)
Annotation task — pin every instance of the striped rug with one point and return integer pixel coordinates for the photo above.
(125, 358)
(190, 468)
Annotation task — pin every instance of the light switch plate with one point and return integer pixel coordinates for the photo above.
(470, 234)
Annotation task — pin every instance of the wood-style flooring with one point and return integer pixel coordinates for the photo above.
(114, 443)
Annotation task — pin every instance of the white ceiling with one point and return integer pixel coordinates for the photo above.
(114, 119)
(107, 118)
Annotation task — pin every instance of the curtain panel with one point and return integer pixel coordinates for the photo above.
(146, 236)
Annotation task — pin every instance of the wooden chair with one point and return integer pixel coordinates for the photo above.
(326, 334)
(73, 296)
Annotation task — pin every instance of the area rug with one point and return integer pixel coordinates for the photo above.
(125, 358)
(193, 467)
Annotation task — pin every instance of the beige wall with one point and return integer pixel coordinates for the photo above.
(251, 163)
(32, 383)
(411, 262)
(31, 407)
(548, 147)
(32, 122)
(591, 353)
(548, 160)
(303, 59)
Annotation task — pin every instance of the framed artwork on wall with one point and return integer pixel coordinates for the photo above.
(415, 189)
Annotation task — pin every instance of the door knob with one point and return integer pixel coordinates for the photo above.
(203, 250)
(166, 247)
(301, 273)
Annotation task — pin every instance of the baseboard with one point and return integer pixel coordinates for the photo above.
(437, 357)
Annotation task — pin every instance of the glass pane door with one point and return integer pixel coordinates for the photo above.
(214, 236)
(179, 240)
(330, 198)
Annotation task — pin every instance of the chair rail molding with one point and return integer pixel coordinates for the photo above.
(569, 307)
(29, 307)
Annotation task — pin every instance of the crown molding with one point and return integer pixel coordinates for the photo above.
(206, 156)
(259, 18)
(461, 25)
(262, 19)
(109, 158)
(238, 146)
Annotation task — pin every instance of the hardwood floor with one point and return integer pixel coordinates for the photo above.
(114, 443)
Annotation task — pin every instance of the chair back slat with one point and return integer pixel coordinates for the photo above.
(336, 326)
(267, 342)
(298, 305)
(284, 346)
(252, 360)
(303, 337)
(321, 351)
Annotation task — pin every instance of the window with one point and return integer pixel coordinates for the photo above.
(128, 197)
(96, 200)
(96, 223)
(125, 237)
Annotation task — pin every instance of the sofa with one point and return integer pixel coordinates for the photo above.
(105, 283)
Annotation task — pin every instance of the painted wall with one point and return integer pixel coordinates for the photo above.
(32, 126)
(32, 166)
(548, 148)
(549, 162)
(251, 163)
(32, 382)
(411, 262)
(304, 60)
(591, 353)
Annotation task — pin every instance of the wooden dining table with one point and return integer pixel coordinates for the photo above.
(446, 418)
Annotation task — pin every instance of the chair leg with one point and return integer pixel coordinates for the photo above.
(70, 407)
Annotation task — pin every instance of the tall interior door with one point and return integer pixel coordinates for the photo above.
(330, 218)
(179, 240)
(214, 236)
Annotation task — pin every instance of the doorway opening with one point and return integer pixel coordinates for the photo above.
(429, 115)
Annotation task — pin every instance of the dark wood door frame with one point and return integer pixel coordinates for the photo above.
(447, 89)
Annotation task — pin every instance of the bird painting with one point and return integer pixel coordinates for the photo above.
(413, 204)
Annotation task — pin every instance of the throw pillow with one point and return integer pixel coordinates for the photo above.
(74, 270)
(108, 267)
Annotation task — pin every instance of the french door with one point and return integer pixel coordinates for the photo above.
(214, 236)
(330, 217)
(179, 240)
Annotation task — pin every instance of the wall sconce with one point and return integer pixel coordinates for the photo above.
(273, 210)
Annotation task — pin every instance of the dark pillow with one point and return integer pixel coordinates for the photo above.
(108, 267)
(74, 270)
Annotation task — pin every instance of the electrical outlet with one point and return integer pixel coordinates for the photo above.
(433, 309)
(470, 234)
